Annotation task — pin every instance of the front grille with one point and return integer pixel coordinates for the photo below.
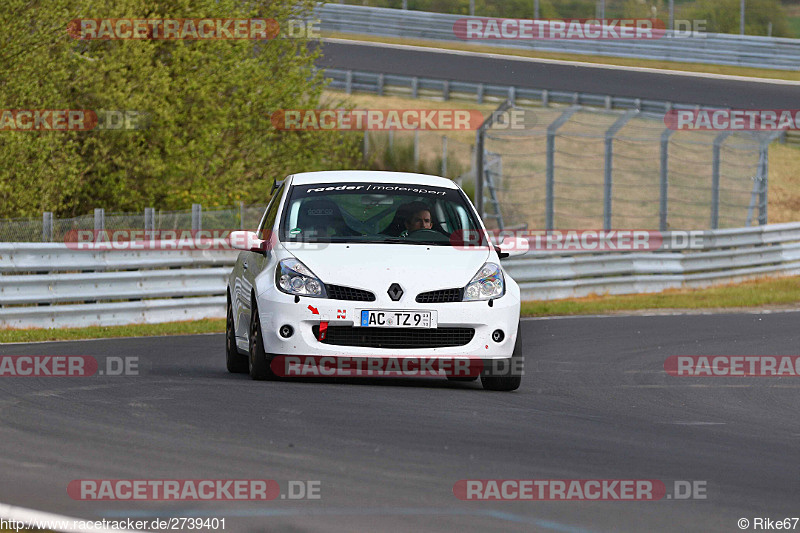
(398, 338)
(440, 296)
(337, 292)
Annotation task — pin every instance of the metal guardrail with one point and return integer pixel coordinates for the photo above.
(39, 287)
(52, 286)
(709, 48)
(727, 256)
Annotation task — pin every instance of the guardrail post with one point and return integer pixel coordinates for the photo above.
(512, 95)
(479, 95)
(609, 163)
(446, 90)
(608, 102)
(414, 87)
(380, 84)
(197, 217)
(47, 226)
(718, 140)
(444, 156)
(551, 152)
(663, 205)
(348, 82)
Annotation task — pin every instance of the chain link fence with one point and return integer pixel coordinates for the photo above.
(50, 229)
(578, 167)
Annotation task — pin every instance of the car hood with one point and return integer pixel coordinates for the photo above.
(417, 268)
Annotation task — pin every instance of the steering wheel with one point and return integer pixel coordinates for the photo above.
(427, 235)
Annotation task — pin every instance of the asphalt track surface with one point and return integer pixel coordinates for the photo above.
(595, 404)
(510, 71)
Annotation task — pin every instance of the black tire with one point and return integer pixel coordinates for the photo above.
(236, 362)
(259, 361)
(508, 378)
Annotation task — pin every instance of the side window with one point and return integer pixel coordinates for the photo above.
(269, 217)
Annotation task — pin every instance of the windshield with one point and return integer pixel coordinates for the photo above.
(391, 213)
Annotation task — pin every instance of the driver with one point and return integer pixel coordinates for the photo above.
(419, 217)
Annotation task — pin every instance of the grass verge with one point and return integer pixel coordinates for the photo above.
(751, 294)
(100, 332)
(605, 60)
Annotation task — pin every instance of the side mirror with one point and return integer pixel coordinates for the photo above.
(247, 241)
(512, 247)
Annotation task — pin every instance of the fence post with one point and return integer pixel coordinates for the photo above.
(47, 226)
(444, 156)
(197, 217)
(391, 140)
(664, 181)
(762, 193)
(609, 163)
(99, 220)
(241, 215)
(365, 153)
(149, 219)
(551, 151)
(718, 140)
(416, 150)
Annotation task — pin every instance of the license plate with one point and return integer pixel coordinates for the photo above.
(397, 319)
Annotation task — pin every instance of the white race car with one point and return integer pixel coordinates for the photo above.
(358, 264)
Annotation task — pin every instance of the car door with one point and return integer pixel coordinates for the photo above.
(253, 263)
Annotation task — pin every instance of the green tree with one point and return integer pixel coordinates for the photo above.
(208, 138)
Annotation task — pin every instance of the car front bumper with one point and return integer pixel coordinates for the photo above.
(277, 309)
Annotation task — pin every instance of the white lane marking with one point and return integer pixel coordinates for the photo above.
(650, 70)
(698, 423)
(685, 312)
(31, 516)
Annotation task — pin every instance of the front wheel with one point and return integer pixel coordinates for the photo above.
(506, 374)
(259, 361)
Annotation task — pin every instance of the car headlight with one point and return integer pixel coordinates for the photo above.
(487, 284)
(293, 277)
